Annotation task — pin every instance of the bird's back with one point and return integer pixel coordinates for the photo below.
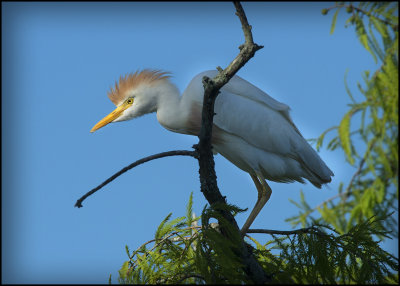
(257, 135)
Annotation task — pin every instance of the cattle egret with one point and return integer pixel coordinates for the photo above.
(250, 129)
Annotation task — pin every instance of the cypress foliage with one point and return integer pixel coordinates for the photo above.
(200, 254)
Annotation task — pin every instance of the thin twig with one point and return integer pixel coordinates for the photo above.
(147, 252)
(287, 232)
(361, 165)
(160, 241)
(137, 163)
(140, 247)
(386, 22)
(191, 275)
(154, 240)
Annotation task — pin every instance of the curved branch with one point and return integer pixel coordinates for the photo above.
(183, 278)
(78, 203)
(191, 275)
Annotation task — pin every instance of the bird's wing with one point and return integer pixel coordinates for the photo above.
(246, 111)
(241, 87)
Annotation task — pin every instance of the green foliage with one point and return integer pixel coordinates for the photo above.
(354, 257)
(182, 252)
(319, 254)
(373, 188)
(334, 20)
(344, 135)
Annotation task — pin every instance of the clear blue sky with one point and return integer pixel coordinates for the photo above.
(59, 60)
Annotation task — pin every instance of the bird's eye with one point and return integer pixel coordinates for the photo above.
(129, 101)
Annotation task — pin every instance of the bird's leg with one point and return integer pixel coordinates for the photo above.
(264, 193)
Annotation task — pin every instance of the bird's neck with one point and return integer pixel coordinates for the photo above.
(170, 111)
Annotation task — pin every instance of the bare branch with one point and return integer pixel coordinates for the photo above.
(78, 203)
(245, 25)
(211, 87)
(288, 232)
(208, 177)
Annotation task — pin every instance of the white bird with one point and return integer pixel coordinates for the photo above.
(250, 129)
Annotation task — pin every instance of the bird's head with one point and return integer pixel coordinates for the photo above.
(134, 95)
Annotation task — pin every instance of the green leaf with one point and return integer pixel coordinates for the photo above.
(327, 214)
(333, 144)
(384, 160)
(374, 43)
(363, 37)
(161, 226)
(379, 26)
(258, 245)
(171, 225)
(349, 20)
(296, 204)
(320, 141)
(123, 272)
(189, 211)
(143, 264)
(303, 202)
(334, 21)
(322, 136)
(380, 190)
(355, 213)
(344, 135)
(127, 250)
(366, 200)
(340, 189)
(347, 87)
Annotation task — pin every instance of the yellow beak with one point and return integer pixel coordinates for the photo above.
(111, 117)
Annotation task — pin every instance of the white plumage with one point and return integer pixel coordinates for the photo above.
(251, 129)
(259, 134)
